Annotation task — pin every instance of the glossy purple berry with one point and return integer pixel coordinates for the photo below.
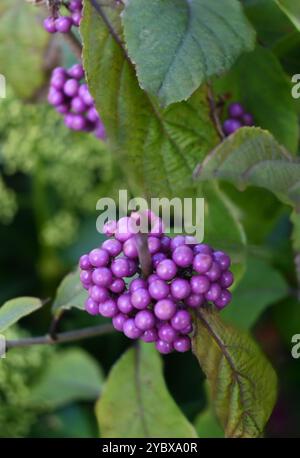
(120, 268)
(248, 119)
(226, 279)
(150, 336)
(78, 105)
(99, 257)
(130, 330)
(113, 247)
(123, 231)
(71, 87)
(158, 289)
(102, 276)
(214, 292)
(124, 303)
(202, 263)
(117, 286)
(235, 110)
(130, 248)
(63, 24)
(137, 283)
(118, 321)
(180, 288)
(183, 256)
(214, 273)
(84, 262)
(195, 300)
(181, 320)
(200, 284)
(49, 25)
(222, 259)
(231, 125)
(85, 276)
(76, 18)
(202, 248)
(108, 308)
(91, 306)
(177, 241)
(182, 344)
(164, 347)
(157, 258)
(98, 293)
(140, 299)
(166, 269)
(167, 333)
(223, 299)
(144, 320)
(55, 97)
(165, 309)
(76, 72)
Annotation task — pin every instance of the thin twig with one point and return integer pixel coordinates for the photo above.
(144, 254)
(63, 337)
(55, 323)
(214, 112)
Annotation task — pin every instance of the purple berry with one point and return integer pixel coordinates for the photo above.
(181, 320)
(153, 244)
(62, 109)
(158, 289)
(102, 276)
(98, 293)
(177, 241)
(117, 286)
(123, 231)
(63, 24)
(55, 97)
(144, 320)
(140, 299)
(180, 288)
(235, 110)
(200, 284)
(248, 119)
(226, 279)
(182, 344)
(78, 105)
(222, 259)
(165, 243)
(49, 25)
(138, 283)
(108, 309)
(130, 248)
(165, 309)
(130, 330)
(71, 87)
(113, 247)
(85, 276)
(58, 80)
(99, 257)
(76, 18)
(214, 273)
(120, 268)
(118, 321)
(231, 125)
(149, 336)
(157, 258)
(92, 115)
(164, 347)
(202, 248)
(84, 262)
(195, 300)
(152, 278)
(75, 5)
(84, 93)
(78, 122)
(223, 299)
(76, 72)
(166, 269)
(167, 333)
(202, 263)
(91, 306)
(124, 303)
(213, 293)
(183, 256)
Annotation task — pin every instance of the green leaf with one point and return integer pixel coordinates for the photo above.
(292, 9)
(260, 72)
(252, 156)
(161, 146)
(135, 401)
(15, 309)
(295, 219)
(23, 45)
(70, 293)
(176, 45)
(260, 287)
(72, 375)
(207, 425)
(242, 383)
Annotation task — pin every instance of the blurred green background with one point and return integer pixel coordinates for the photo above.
(51, 179)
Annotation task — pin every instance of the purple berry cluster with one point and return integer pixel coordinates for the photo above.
(237, 118)
(185, 275)
(64, 24)
(71, 98)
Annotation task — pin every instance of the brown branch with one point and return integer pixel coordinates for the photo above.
(144, 254)
(63, 337)
(214, 111)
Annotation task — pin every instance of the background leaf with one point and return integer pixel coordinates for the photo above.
(253, 157)
(176, 45)
(147, 410)
(242, 383)
(72, 375)
(260, 287)
(207, 425)
(23, 45)
(70, 293)
(12, 311)
(292, 9)
(157, 149)
(261, 73)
